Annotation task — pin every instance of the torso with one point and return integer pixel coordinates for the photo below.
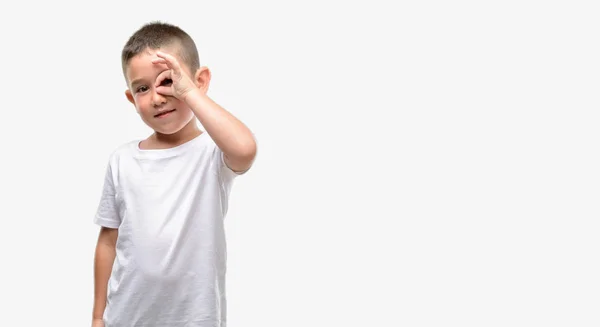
(171, 250)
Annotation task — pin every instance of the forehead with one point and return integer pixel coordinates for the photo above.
(140, 66)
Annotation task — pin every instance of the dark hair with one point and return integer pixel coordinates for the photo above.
(155, 35)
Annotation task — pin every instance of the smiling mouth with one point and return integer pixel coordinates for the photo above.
(162, 114)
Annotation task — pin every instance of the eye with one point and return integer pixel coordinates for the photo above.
(166, 81)
(142, 89)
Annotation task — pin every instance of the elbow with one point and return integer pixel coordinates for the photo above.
(248, 151)
(243, 157)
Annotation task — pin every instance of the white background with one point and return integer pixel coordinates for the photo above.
(421, 163)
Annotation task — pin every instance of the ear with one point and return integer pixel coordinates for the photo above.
(202, 79)
(129, 96)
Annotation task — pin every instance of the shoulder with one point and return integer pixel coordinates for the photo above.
(118, 153)
(123, 149)
(218, 163)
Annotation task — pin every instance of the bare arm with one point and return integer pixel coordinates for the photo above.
(103, 262)
(231, 135)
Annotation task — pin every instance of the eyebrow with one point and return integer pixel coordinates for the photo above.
(136, 81)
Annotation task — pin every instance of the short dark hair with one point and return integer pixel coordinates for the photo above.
(155, 35)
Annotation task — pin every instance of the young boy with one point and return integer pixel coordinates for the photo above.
(160, 259)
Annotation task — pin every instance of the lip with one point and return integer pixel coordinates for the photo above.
(164, 114)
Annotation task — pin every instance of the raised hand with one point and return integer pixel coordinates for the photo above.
(175, 81)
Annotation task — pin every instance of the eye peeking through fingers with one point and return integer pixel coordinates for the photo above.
(166, 81)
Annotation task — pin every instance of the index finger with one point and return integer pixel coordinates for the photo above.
(170, 60)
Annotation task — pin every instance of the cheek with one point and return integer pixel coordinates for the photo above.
(142, 105)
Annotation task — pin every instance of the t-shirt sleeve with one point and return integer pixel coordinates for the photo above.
(226, 173)
(107, 214)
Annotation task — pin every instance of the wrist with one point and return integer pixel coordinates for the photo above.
(192, 96)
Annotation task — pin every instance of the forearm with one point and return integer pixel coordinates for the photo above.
(103, 262)
(229, 133)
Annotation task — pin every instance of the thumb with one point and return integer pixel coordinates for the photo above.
(165, 90)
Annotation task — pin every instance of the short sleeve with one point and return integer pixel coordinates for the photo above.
(107, 214)
(226, 174)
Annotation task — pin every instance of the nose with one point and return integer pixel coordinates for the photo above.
(158, 99)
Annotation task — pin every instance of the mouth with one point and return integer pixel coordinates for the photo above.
(164, 113)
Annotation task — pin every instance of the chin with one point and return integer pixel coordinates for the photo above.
(172, 124)
(171, 128)
(168, 131)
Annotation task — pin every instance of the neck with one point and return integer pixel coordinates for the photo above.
(187, 133)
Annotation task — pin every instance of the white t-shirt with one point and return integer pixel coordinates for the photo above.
(169, 206)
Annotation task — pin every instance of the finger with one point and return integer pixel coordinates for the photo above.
(165, 90)
(159, 61)
(170, 60)
(164, 79)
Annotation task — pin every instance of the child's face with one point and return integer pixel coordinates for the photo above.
(142, 76)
